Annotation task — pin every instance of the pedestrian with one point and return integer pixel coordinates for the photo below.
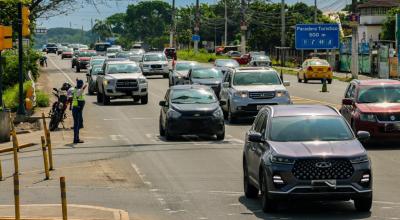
(78, 103)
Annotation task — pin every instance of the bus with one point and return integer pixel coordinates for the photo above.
(101, 48)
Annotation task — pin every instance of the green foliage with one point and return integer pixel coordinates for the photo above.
(42, 99)
(202, 56)
(389, 26)
(11, 97)
(65, 35)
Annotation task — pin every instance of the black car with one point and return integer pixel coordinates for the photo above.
(191, 110)
(209, 76)
(305, 152)
(51, 48)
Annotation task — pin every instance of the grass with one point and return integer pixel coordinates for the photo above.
(11, 97)
(202, 56)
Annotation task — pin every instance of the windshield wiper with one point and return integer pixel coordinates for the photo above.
(185, 97)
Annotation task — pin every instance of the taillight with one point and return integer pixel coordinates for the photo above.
(309, 68)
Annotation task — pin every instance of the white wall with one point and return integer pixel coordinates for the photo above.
(372, 19)
(370, 32)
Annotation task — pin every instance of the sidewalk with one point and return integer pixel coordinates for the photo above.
(53, 211)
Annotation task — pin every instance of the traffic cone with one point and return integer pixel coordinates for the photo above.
(324, 86)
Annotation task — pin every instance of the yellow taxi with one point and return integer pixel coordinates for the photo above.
(315, 69)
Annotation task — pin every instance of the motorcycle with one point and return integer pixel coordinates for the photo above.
(43, 61)
(57, 112)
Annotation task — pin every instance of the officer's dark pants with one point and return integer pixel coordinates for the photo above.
(77, 115)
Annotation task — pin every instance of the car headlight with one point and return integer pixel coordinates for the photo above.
(241, 94)
(108, 82)
(281, 93)
(361, 159)
(218, 113)
(282, 160)
(367, 117)
(173, 114)
(142, 80)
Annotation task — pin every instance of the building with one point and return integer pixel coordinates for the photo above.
(372, 16)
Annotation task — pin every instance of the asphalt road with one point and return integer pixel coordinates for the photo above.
(124, 164)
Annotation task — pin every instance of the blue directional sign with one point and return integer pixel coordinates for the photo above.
(195, 38)
(317, 36)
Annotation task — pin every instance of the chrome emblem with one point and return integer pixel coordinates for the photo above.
(323, 164)
(392, 118)
(196, 115)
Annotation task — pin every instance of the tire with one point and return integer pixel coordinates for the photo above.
(221, 136)
(78, 70)
(363, 204)
(166, 75)
(168, 136)
(54, 121)
(250, 191)
(136, 99)
(305, 79)
(144, 99)
(99, 98)
(329, 81)
(231, 117)
(106, 99)
(268, 205)
(62, 57)
(298, 78)
(162, 130)
(91, 92)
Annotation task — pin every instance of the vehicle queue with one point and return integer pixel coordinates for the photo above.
(290, 151)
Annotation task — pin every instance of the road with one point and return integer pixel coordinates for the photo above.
(124, 164)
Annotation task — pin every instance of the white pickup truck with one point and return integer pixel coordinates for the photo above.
(121, 80)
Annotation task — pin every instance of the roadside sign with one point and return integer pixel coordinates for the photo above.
(317, 36)
(195, 38)
(41, 30)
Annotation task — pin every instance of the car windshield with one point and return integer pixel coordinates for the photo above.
(256, 78)
(113, 50)
(379, 94)
(193, 96)
(68, 50)
(309, 128)
(96, 70)
(207, 73)
(227, 63)
(86, 54)
(124, 54)
(51, 45)
(318, 63)
(122, 68)
(102, 47)
(97, 62)
(154, 57)
(184, 66)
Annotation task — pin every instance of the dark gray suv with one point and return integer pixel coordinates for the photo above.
(305, 152)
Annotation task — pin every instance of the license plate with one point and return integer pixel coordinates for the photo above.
(392, 127)
(259, 107)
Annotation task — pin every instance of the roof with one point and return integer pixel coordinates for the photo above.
(191, 86)
(122, 62)
(302, 110)
(377, 82)
(380, 4)
(254, 69)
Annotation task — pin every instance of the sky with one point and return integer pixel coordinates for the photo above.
(84, 16)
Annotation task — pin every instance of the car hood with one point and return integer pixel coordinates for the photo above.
(319, 148)
(124, 76)
(187, 108)
(155, 62)
(207, 81)
(378, 107)
(256, 88)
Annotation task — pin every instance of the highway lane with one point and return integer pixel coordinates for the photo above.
(125, 164)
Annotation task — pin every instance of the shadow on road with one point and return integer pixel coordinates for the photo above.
(118, 103)
(382, 145)
(305, 210)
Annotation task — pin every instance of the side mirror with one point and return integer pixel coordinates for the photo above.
(255, 137)
(347, 101)
(225, 84)
(286, 83)
(222, 102)
(363, 135)
(162, 103)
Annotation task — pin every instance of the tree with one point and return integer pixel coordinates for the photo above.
(102, 28)
(389, 26)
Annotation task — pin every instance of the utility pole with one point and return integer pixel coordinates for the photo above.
(21, 108)
(226, 25)
(315, 17)
(172, 31)
(354, 47)
(243, 28)
(283, 23)
(197, 26)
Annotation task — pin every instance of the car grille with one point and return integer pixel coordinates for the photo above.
(388, 117)
(127, 83)
(262, 95)
(307, 169)
(156, 66)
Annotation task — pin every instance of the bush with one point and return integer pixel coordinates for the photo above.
(11, 97)
(42, 99)
(202, 56)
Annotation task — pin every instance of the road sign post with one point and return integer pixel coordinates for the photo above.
(398, 43)
(317, 36)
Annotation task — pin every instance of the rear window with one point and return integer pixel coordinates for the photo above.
(227, 63)
(318, 63)
(102, 47)
(210, 73)
(51, 45)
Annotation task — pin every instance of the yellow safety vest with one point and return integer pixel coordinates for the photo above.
(76, 99)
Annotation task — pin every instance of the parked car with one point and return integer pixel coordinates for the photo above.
(83, 58)
(373, 106)
(92, 78)
(179, 73)
(315, 69)
(121, 80)
(191, 109)
(67, 53)
(305, 152)
(51, 48)
(246, 90)
(155, 64)
(208, 76)
(225, 64)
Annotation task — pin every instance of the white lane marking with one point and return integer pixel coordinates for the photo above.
(123, 119)
(226, 192)
(386, 202)
(59, 69)
(118, 137)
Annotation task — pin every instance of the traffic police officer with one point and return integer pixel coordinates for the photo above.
(78, 103)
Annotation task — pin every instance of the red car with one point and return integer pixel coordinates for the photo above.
(67, 53)
(373, 106)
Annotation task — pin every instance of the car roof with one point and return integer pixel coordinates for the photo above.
(191, 86)
(377, 82)
(154, 53)
(302, 110)
(254, 69)
(122, 62)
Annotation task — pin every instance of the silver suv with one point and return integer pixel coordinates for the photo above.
(121, 79)
(248, 89)
(155, 64)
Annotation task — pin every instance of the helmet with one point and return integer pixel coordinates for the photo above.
(66, 86)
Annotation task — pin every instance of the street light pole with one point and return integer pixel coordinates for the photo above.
(196, 27)
(21, 108)
(226, 25)
(172, 31)
(243, 28)
(354, 47)
(315, 17)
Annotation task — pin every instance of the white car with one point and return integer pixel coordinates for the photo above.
(155, 64)
(112, 52)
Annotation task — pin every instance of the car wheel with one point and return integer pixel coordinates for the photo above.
(166, 75)
(363, 204)
(268, 205)
(221, 136)
(305, 79)
(62, 57)
(298, 78)
(168, 135)
(91, 92)
(231, 116)
(78, 69)
(99, 97)
(162, 130)
(136, 99)
(250, 191)
(329, 81)
(144, 99)
(106, 99)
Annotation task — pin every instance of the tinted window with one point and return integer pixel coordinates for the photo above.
(318, 63)
(193, 96)
(184, 66)
(227, 63)
(309, 128)
(102, 47)
(379, 94)
(51, 45)
(122, 68)
(206, 74)
(256, 78)
(97, 62)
